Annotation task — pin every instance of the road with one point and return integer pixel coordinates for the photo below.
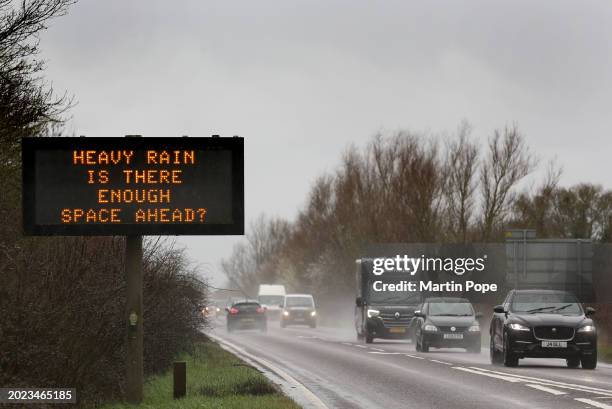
(346, 373)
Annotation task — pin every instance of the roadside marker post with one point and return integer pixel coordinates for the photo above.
(180, 379)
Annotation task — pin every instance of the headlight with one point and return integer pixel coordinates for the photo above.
(286, 313)
(519, 327)
(312, 314)
(373, 313)
(430, 327)
(587, 328)
(474, 328)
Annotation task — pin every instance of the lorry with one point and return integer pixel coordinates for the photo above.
(382, 314)
(272, 298)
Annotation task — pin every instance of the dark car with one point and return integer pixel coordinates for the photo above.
(246, 314)
(446, 322)
(543, 324)
(298, 309)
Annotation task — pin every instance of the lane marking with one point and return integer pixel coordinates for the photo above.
(377, 349)
(384, 353)
(347, 343)
(440, 362)
(562, 385)
(545, 389)
(504, 378)
(360, 346)
(414, 356)
(593, 403)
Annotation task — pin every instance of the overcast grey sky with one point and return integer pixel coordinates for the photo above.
(300, 81)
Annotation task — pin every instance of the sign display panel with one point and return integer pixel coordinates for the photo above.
(133, 186)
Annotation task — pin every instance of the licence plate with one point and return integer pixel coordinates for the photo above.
(248, 320)
(554, 344)
(397, 330)
(453, 336)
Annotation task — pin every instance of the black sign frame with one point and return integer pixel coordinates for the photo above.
(30, 145)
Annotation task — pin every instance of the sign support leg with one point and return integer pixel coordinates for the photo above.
(133, 269)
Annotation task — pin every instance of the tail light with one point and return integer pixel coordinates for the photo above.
(233, 311)
(260, 310)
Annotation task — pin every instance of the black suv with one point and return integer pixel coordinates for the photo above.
(543, 324)
(246, 314)
(446, 322)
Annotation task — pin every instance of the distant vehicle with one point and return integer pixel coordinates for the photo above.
(543, 324)
(211, 311)
(272, 296)
(382, 314)
(246, 314)
(446, 322)
(299, 309)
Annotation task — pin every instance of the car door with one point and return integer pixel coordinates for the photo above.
(497, 324)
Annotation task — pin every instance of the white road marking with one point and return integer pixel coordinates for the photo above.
(383, 353)
(545, 389)
(289, 385)
(414, 356)
(360, 346)
(593, 403)
(504, 378)
(562, 385)
(440, 362)
(347, 343)
(377, 349)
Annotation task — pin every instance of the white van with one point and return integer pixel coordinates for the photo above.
(272, 297)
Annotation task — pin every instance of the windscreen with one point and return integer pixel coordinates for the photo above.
(299, 302)
(271, 299)
(451, 309)
(378, 291)
(545, 303)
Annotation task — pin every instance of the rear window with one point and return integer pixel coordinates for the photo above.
(247, 306)
(299, 302)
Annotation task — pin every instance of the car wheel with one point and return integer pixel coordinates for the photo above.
(368, 338)
(572, 362)
(510, 360)
(417, 344)
(424, 346)
(590, 361)
(494, 354)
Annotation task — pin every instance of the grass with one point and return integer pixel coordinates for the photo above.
(215, 379)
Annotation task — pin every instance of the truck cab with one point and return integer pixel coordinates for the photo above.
(382, 314)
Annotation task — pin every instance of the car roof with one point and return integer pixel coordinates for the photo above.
(542, 291)
(245, 301)
(447, 299)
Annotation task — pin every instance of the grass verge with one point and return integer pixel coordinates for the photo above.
(215, 379)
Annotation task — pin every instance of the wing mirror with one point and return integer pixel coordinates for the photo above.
(359, 301)
(419, 313)
(588, 311)
(499, 309)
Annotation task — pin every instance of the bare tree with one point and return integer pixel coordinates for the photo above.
(462, 165)
(507, 162)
